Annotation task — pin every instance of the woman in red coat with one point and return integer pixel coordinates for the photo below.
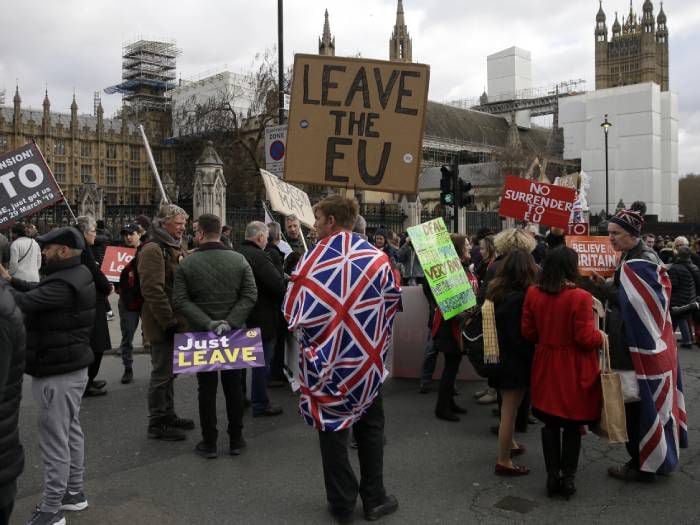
(565, 382)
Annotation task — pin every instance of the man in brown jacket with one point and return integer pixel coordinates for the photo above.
(157, 261)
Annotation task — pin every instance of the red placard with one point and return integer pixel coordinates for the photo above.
(537, 202)
(595, 254)
(578, 228)
(116, 258)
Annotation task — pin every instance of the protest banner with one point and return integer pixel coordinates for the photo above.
(595, 254)
(537, 202)
(356, 123)
(288, 199)
(26, 184)
(442, 267)
(578, 228)
(207, 352)
(115, 259)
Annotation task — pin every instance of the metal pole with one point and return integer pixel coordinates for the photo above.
(280, 59)
(607, 199)
(455, 191)
(152, 162)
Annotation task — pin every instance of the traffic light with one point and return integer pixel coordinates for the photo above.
(447, 193)
(463, 196)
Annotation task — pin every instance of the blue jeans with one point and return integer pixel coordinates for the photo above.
(258, 391)
(682, 323)
(128, 322)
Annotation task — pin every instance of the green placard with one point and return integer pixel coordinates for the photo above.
(442, 267)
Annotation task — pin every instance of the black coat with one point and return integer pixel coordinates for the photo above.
(99, 340)
(12, 348)
(515, 351)
(685, 283)
(276, 256)
(59, 317)
(271, 289)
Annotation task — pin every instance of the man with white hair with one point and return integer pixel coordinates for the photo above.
(683, 241)
(265, 313)
(156, 263)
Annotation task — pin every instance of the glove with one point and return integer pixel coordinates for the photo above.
(170, 332)
(219, 327)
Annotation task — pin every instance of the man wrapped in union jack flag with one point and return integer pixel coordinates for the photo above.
(343, 298)
(643, 349)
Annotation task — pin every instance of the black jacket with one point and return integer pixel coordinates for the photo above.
(59, 317)
(685, 283)
(99, 339)
(515, 351)
(620, 357)
(12, 347)
(276, 256)
(103, 238)
(270, 284)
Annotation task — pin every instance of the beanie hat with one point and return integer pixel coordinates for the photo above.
(629, 220)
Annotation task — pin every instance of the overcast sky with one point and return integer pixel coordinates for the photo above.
(75, 45)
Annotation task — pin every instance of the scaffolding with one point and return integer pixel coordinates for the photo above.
(148, 72)
(2, 97)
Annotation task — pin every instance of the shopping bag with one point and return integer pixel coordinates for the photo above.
(612, 424)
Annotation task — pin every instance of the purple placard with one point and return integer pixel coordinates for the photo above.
(207, 352)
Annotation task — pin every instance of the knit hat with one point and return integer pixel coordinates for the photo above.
(629, 220)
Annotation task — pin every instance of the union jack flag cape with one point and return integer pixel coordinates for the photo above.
(645, 295)
(343, 297)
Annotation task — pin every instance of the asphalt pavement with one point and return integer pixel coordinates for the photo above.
(441, 472)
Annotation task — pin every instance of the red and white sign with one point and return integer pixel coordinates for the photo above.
(595, 254)
(116, 258)
(537, 202)
(578, 228)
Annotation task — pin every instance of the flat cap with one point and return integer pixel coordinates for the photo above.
(67, 236)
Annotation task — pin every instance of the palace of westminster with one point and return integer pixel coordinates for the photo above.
(109, 153)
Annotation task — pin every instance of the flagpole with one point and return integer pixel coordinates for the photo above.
(152, 162)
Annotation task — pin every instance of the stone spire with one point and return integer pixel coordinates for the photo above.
(74, 115)
(400, 43)
(326, 44)
(17, 115)
(46, 119)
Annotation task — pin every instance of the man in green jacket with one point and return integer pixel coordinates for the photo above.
(215, 291)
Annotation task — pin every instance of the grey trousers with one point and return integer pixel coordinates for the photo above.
(161, 396)
(60, 437)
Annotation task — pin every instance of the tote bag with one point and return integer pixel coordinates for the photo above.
(612, 418)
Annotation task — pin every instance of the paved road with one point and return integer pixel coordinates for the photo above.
(441, 472)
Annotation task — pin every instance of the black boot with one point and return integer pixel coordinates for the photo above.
(443, 408)
(454, 406)
(570, 449)
(551, 449)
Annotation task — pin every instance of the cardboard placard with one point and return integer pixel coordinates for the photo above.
(288, 199)
(114, 261)
(537, 202)
(26, 184)
(443, 269)
(356, 123)
(207, 352)
(595, 254)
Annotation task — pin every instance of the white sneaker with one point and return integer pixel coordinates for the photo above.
(74, 502)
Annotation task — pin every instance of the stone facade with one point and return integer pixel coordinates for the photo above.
(637, 51)
(84, 148)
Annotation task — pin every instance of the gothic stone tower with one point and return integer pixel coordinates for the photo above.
(326, 44)
(400, 42)
(636, 53)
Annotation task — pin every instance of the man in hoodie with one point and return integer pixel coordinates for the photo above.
(157, 263)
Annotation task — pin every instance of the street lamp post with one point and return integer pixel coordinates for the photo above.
(606, 126)
(280, 60)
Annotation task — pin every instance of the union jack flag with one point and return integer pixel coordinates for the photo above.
(343, 297)
(645, 295)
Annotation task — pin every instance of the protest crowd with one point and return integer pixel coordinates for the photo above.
(539, 338)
